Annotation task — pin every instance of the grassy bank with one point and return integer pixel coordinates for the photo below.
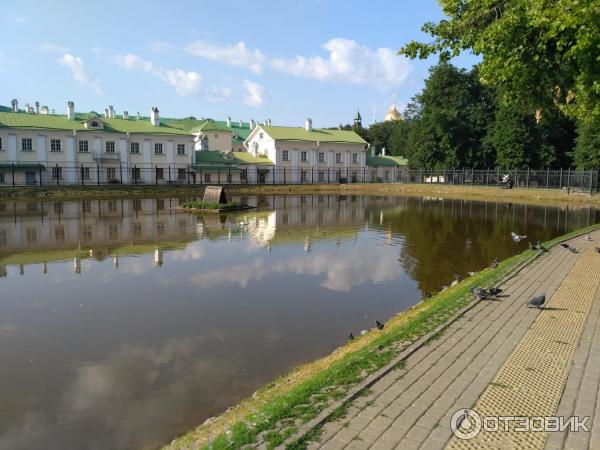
(538, 196)
(277, 410)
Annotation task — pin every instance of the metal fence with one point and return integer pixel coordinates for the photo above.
(119, 174)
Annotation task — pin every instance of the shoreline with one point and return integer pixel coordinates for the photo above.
(482, 193)
(279, 410)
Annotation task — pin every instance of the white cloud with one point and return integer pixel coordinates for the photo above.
(185, 83)
(160, 46)
(237, 55)
(48, 47)
(218, 93)
(255, 93)
(347, 62)
(80, 75)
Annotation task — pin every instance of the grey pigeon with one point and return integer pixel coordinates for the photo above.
(351, 337)
(379, 325)
(517, 237)
(495, 263)
(537, 301)
(572, 249)
(495, 291)
(458, 277)
(480, 293)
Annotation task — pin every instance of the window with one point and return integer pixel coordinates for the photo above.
(2, 178)
(354, 178)
(112, 205)
(110, 146)
(134, 147)
(260, 135)
(181, 149)
(95, 124)
(303, 156)
(338, 175)
(386, 175)
(86, 233)
(137, 229)
(229, 178)
(26, 145)
(303, 176)
(321, 157)
(31, 234)
(113, 231)
(207, 177)
(160, 228)
(160, 173)
(158, 148)
(85, 173)
(204, 143)
(181, 174)
(285, 156)
(83, 146)
(57, 173)
(111, 173)
(86, 206)
(55, 145)
(135, 173)
(243, 174)
(355, 158)
(137, 204)
(338, 158)
(321, 176)
(3, 238)
(59, 233)
(160, 204)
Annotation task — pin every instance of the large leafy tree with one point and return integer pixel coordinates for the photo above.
(587, 149)
(540, 54)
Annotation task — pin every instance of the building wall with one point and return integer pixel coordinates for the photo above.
(218, 140)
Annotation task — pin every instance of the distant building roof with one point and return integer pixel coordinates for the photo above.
(386, 160)
(316, 135)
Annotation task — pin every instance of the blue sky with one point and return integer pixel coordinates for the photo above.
(284, 60)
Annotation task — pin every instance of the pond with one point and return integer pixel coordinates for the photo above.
(124, 323)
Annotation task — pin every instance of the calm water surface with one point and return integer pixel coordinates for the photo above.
(124, 323)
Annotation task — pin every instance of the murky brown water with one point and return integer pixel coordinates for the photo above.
(124, 323)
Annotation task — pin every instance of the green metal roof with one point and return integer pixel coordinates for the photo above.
(316, 135)
(22, 166)
(60, 122)
(211, 125)
(386, 160)
(233, 158)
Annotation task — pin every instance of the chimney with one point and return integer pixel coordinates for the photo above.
(252, 124)
(111, 111)
(383, 151)
(229, 122)
(70, 110)
(37, 107)
(15, 105)
(308, 125)
(44, 110)
(154, 117)
(241, 124)
(125, 115)
(372, 150)
(269, 122)
(138, 116)
(106, 112)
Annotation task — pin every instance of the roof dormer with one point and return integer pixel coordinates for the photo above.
(94, 123)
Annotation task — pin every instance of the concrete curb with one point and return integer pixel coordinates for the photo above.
(373, 378)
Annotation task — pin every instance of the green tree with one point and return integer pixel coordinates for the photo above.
(540, 54)
(587, 150)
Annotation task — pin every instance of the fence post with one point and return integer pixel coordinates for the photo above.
(597, 181)
(169, 169)
(464, 175)
(188, 171)
(200, 174)
(487, 177)
(472, 176)
(569, 181)
(548, 178)
(591, 181)
(121, 172)
(273, 171)
(516, 179)
(135, 177)
(97, 173)
(497, 176)
(560, 179)
(40, 173)
(12, 171)
(81, 173)
(527, 177)
(284, 177)
(218, 175)
(57, 175)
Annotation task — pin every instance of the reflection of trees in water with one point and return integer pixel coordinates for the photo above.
(442, 237)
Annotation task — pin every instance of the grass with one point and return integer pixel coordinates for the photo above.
(289, 397)
(198, 204)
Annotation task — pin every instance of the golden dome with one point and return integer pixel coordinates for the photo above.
(392, 115)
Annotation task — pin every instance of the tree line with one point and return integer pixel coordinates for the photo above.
(533, 101)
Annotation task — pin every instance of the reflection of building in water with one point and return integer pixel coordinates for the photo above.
(52, 231)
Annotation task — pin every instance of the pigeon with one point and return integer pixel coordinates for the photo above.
(517, 237)
(458, 277)
(471, 274)
(495, 263)
(495, 291)
(428, 295)
(564, 245)
(480, 293)
(379, 325)
(537, 246)
(537, 301)
(588, 237)
(572, 249)
(351, 337)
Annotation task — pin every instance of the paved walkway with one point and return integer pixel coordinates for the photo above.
(411, 408)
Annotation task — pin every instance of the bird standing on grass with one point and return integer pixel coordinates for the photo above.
(458, 277)
(480, 293)
(379, 325)
(495, 263)
(537, 301)
(351, 337)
